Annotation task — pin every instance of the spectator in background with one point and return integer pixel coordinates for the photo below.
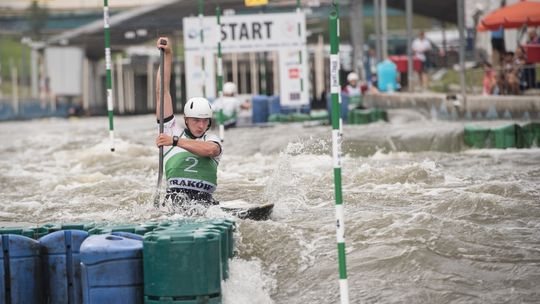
(509, 77)
(370, 66)
(421, 47)
(489, 82)
(521, 68)
(497, 44)
(533, 37)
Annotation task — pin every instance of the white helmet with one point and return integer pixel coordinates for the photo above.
(352, 76)
(198, 107)
(229, 88)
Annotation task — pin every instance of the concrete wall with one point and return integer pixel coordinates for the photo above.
(447, 106)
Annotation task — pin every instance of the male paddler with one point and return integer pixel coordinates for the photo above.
(191, 155)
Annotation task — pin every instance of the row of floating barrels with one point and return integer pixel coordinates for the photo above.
(321, 116)
(265, 107)
(502, 137)
(365, 116)
(169, 262)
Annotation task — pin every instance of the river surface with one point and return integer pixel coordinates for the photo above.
(428, 220)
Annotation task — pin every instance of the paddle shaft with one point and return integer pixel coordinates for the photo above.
(161, 111)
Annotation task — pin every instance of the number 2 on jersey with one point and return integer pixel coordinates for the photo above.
(190, 168)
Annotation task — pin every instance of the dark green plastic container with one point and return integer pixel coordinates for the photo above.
(27, 232)
(182, 266)
(357, 101)
(299, 117)
(477, 137)
(506, 136)
(319, 116)
(131, 228)
(378, 114)
(223, 227)
(53, 227)
(231, 227)
(530, 135)
(224, 244)
(360, 117)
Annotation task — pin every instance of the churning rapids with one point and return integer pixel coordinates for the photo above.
(427, 219)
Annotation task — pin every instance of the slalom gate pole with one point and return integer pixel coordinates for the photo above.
(161, 114)
(110, 106)
(220, 76)
(201, 34)
(337, 136)
(299, 31)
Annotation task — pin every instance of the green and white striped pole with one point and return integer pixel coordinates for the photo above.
(201, 34)
(337, 134)
(110, 106)
(299, 30)
(220, 76)
(262, 71)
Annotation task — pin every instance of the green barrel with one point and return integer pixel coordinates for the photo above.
(278, 118)
(319, 116)
(182, 267)
(378, 114)
(530, 135)
(505, 136)
(360, 117)
(131, 228)
(299, 117)
(231, 227)
(355, 101)
(227, 244)
(477, 137)
(53, 227)
(223, 227)
(18, 231)
(40, 231)
(224, 242)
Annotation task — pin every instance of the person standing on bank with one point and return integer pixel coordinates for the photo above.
(421, 48)
(191, 155)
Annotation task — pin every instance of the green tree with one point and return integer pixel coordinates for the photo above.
(37, 19)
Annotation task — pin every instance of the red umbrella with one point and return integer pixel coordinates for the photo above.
(512, 16)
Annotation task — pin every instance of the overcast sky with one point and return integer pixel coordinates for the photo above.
(71, 4)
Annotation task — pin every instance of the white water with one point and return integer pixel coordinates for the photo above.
(427, 220)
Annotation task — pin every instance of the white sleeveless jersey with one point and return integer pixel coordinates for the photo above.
(185, 170)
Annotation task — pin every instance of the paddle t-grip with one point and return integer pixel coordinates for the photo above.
(162, 41)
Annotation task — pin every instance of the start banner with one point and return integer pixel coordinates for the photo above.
(284, 33)
(246, 33)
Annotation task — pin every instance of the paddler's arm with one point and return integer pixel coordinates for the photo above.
(200, 148)
(167, 109)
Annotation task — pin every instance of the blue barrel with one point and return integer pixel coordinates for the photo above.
(61, 263)
(387, 76)
(111, 269)
(20, 270)
(274, 105)
(260, 110)
(344, 107)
